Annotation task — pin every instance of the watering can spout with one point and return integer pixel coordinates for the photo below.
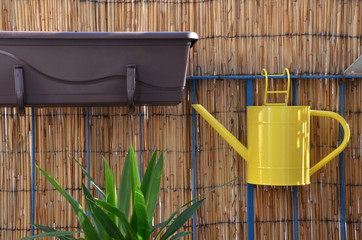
(233, 141)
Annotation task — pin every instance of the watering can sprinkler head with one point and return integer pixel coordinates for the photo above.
(278, 141)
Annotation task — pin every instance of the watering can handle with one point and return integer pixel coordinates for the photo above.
(287, 75)
(341, 147)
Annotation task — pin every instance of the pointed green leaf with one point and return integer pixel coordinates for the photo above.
(135, 178)
(111, 194)
(98, 189)
(125, 190)
(144, 227)
(157, 226)
(49, 229)
(164, 224)
(107, 223)
(123, 219)
(180, 235)
(83, 219)
(52, 234)
(182, 219)
(98, 226)
(153, 189)
(148, 174)
(135, 181)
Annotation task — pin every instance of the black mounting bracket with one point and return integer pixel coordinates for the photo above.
(131, 86)
(19, 88)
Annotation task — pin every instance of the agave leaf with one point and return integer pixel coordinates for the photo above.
(98, 189)
(52, 234)
(83, 219)
(107, 223)
(144, 227)
(148, 174)
(164, 224)
(157, 226)
(133, 221)
(152, 188)
(180, 235)
(125, 190)
(122, 218)
(182, 219)
(135, 179)
(49, 229)
(98, 225)
(111, 193)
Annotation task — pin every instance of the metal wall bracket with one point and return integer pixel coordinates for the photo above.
(131, 86)
(19, 87)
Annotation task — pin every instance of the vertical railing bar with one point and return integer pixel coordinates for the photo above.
(341, 163)
(250, 187)
(193, 156)
(295, 189)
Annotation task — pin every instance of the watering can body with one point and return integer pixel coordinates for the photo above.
(278, 150)
(278, 145)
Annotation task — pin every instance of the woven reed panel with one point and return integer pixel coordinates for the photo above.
(236, 37)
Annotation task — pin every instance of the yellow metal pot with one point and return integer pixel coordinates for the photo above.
(278, 141)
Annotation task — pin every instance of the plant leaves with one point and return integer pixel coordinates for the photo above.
(97, 224)
(164, 224)
(135, 181)
(143, 226)
(111, 194)
(159, 225)
(152, 188)
(49, 229)
(109, 226)
(182, 219)
(98, 189)
(148, 174)
(180, 235)
(52, 234)
(83, 219)
(125, 190)
(122, 218)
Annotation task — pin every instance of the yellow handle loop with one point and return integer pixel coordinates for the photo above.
(338, 150)
(285, 73)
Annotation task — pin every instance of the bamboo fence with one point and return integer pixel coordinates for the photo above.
(236, 37)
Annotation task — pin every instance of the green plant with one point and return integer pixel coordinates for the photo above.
(109, 216)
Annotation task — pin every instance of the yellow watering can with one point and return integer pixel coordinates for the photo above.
(278, 140)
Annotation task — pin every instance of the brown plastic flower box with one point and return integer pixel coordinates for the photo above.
(73, 68)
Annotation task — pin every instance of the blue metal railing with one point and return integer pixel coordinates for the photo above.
(250, 192)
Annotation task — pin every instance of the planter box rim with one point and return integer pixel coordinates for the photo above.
(192, 36)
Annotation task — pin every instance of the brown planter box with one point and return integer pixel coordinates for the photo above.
(69, 68)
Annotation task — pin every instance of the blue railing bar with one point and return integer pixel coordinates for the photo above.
(193, 157)
(280, 77)
(295, 189)
(341, 163)
(140, 151)
(32, 169)
(250, 187)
